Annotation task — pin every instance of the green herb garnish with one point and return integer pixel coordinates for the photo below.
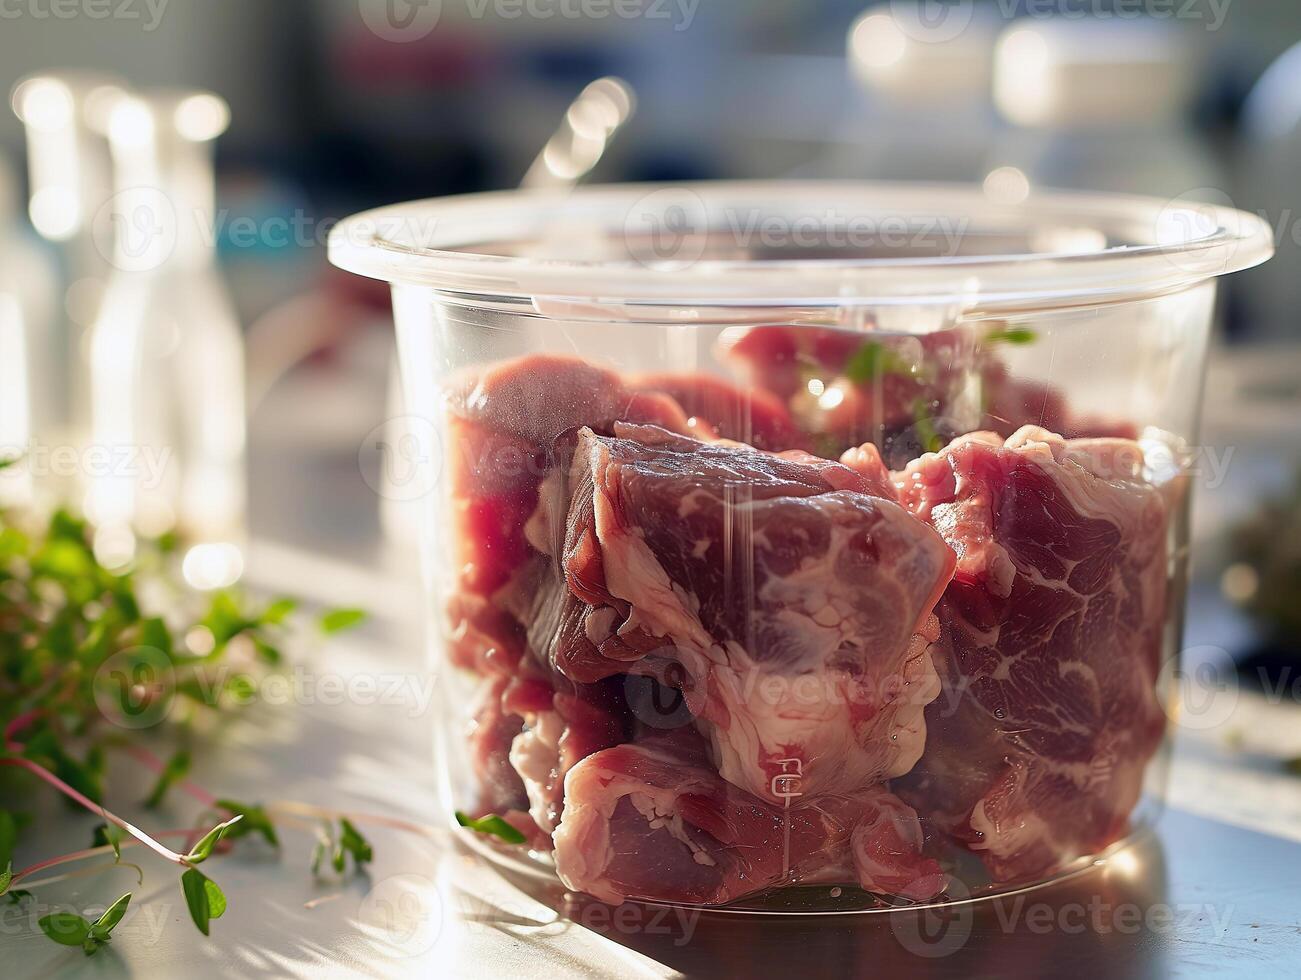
(492, 825)
(84, 669)
(337, 845)
(108, 835)
(203, 849)
(70, 929)
(873, 361)
(336, 620)
(255, 821)
(1012, 335)
(203, 897)
(924, 426)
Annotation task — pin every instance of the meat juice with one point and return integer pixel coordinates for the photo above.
(800, 605)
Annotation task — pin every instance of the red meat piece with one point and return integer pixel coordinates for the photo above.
(1050, 645)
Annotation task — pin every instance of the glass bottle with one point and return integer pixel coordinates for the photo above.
(27, 294)
(70, 181)
(166, 352)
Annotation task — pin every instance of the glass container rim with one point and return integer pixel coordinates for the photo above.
(1091, 247)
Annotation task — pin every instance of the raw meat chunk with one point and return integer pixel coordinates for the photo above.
(494, 479)
(654, 821)
(791, 600)
(1010, 402)
(481, 636)
(540, 396)
(506, 427)
(490, 737)
(1050, 642)
(560, 729)
(710, 665)
(753, 416)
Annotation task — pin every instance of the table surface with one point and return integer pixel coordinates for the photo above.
(1213, 892)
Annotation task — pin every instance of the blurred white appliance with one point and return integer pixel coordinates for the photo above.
(1100, 104)
(1269, 179)
(923, 73)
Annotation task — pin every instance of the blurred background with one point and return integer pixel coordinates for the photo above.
(326, 107)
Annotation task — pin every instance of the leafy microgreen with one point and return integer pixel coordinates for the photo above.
(86, 665)
(102, 927)
(255, 821)
(65, 928)
(321, 850)
(268, 652)
(176, 769)
(334, 846)
(111, 835)
(1012, 335)
(351, 841)
(873, 361)
(492, 825)
(924, 426)
(203, 849)
(278, 612)
(203, 898)
(71, 929)
(337, 620)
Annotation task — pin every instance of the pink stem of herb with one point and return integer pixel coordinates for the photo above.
(94, 852)
(16, 725)
(44, 774)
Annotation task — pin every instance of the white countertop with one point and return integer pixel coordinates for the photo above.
(1210, 896)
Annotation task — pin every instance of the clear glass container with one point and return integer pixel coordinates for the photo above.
(802, 546)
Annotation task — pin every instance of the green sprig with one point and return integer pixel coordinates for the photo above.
(492, 825)
(78, 650)
(333, 846)
(1012, 335)
(203, 897)
(71, 929)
